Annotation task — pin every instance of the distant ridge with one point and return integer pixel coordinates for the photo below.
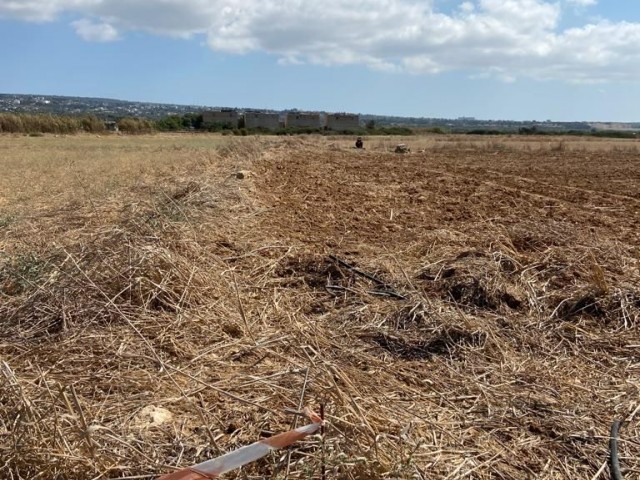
(106, 108)
(113, 109)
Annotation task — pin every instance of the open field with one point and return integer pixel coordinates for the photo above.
(156, 309)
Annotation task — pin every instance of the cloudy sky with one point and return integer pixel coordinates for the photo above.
(499, 59)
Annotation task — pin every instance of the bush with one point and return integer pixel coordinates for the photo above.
(93, 124)
(135, 125)
(218, 127)
(29, 123)
(437, 130)
(390, 131)
(172, 123)
(614, 134)
(528, 130)
(298, 130)
(10, 123)
(485, 131)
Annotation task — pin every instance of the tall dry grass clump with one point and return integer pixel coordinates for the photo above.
(41, 123)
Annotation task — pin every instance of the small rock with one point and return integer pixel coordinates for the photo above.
(152, 416)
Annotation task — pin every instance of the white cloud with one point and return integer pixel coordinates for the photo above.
(467, 7)
(34, 11)
(95, 32)
(42, 10)
(582, 3)
(505, 39)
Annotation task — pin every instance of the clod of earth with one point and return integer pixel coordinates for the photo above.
(402, 148)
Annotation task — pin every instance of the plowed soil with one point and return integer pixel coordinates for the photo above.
(467, 310)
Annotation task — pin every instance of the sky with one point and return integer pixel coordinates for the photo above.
(562, 60)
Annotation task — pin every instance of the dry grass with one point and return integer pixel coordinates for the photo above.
(156, 310)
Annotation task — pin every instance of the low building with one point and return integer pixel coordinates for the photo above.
(302, 120)
(341, 122)
(268, 121)
(227, 118)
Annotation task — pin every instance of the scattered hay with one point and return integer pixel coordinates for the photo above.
(177, 319)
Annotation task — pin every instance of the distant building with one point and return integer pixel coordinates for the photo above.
(343, 121)
(228, 118)
(302, 120)
(268, 121)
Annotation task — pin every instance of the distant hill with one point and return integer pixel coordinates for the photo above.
(110, 109)
(105, 108)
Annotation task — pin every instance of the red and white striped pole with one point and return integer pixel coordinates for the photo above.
(211, 469)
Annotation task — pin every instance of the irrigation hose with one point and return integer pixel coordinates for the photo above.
(613, 448)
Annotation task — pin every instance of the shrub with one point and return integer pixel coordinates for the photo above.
(135, 125)
(93, 124)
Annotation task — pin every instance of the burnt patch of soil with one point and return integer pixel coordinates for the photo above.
(587, 304)
(619, 307)
(314, 270)
(448, 342)
(471, 292)
(476, 281)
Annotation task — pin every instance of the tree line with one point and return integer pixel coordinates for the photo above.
(35, 124)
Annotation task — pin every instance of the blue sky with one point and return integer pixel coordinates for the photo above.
(499, 59)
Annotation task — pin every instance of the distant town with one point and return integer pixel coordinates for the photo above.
(112, 110)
